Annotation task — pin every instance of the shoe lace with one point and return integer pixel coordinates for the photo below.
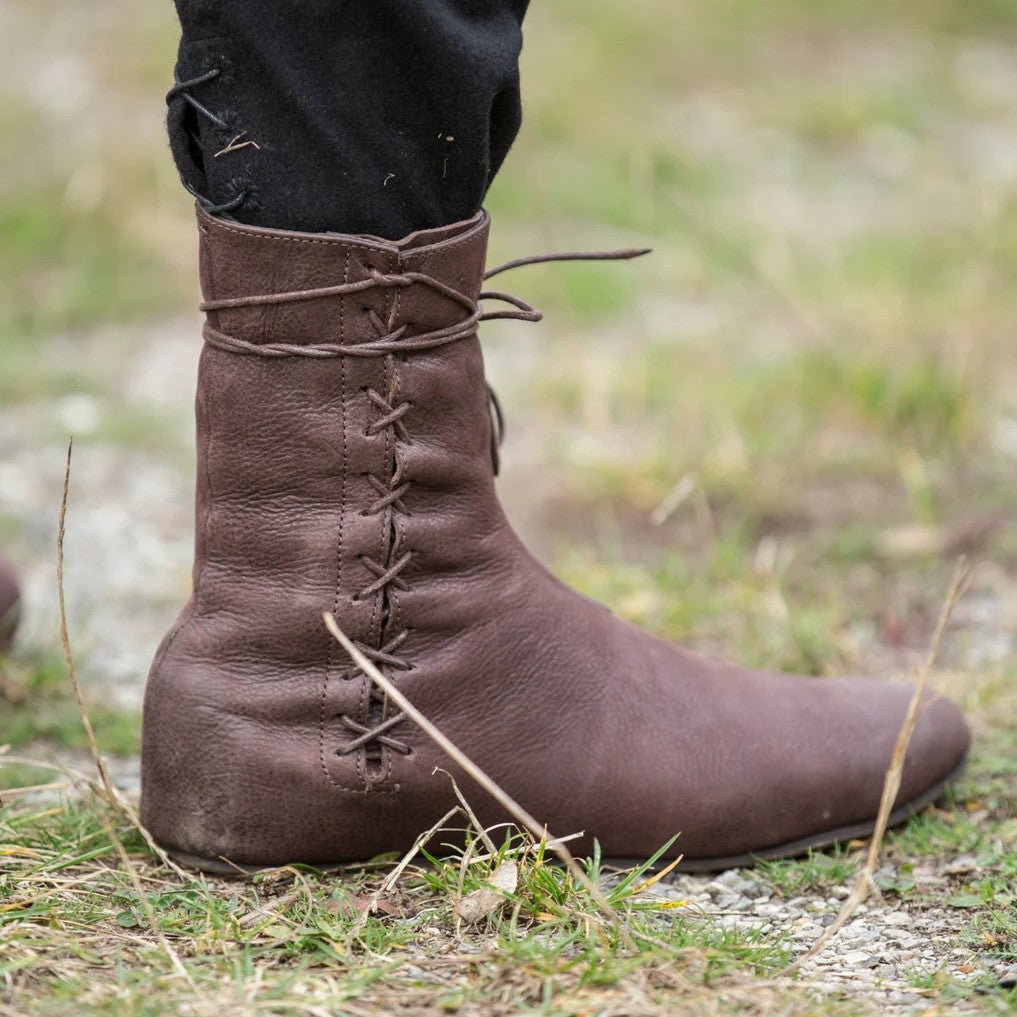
(392, 339)
(183, 90)
(395, 340)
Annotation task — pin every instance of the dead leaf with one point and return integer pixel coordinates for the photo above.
(360, 903)
(485, 901)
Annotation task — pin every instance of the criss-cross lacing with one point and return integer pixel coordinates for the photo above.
(183, 89)
(392, 339)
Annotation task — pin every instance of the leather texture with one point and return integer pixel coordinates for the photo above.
(343, 468)
(10, 603)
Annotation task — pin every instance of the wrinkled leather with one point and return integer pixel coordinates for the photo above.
(10, 603)
(592, 724)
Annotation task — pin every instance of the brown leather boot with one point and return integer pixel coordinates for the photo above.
(10, 604)
(345, 465)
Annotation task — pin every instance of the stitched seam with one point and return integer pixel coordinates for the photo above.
(224, 227)
(343, 491)
(395, 607)
(391, 449)
(330, 665)
(338, 594)
(339, 555)
(397, 535)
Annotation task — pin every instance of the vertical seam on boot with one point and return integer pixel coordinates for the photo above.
(392, 537)
(397, 526)
(330, 665)
(378, 624)
(364, 706)
(387, 518)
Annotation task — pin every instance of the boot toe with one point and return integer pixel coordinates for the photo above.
(938, 747)
(815, 778)
(850, 778)
(861, 750)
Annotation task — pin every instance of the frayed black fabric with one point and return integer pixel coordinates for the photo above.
(355, 116)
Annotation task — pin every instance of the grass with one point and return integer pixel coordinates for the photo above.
(297, 940)
(814, 872)
(300, 939)
(38, 706)
(39, 719)
(818, 354)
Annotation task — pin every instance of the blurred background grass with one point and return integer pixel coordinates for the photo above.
(772, 436)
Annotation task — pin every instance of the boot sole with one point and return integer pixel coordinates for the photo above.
(790, 849)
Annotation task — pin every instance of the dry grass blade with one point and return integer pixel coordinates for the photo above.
(891, 785)
(392, 878)
(477, 825)
(505, 800)
(105, 788)
(65, 640)
(75, 776)
(110, 794)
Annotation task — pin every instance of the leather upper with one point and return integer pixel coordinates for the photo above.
(334, 479)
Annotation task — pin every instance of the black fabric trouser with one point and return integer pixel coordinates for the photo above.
(356, 116)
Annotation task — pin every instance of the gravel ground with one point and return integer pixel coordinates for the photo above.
(878, 956)
(128, 544)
